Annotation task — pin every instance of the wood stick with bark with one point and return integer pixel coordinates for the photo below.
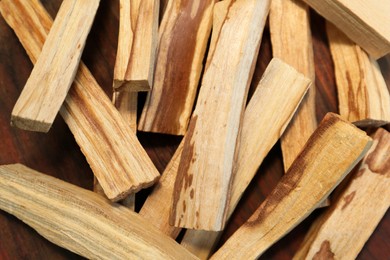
(342, 231)
(365, 22)
(80, 220)
(112, 150)
(208, 153)
(292, 43)
(55, 68)
(362, 92)
(184, 34)
(328, 156)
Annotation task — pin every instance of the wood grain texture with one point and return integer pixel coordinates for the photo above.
(363, 95)
(81, 220)
(58, 154)
(328, 156)
(56, 67)
(183, 38)
(364, 22)
(292, 42)
(140, 70)
(213, 131)
(257, 138)
(343, 229)
(95, 130)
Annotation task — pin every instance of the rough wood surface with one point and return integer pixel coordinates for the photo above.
(365, 22)
(81, 220)
(140, 70)
(343, 229)
(210, 143)
(363, 95)
(257, 138)
(115, 155)
(126, 103)
(330, 153)
(292, 42)
(56, 67)
(184, 34)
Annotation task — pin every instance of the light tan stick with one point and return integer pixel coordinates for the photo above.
(268, 106)
(139, 73)
(56, 67)
(128, 14)
(126, 103)
(292, 43)
(257, 138)
(343, 229)
(365, 22)
(184, 33)
(363, 95)
(80, 220)
(330, 153)
(210, 143)
(113, 151)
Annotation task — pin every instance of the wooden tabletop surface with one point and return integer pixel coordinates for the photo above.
(57, 153)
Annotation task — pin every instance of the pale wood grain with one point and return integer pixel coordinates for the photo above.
(56, 67)
(209, 148)
(111, 148)
(330, 153)
(184, 34)
(344, 228)
(257, 138)
(292, 43)
(140, 70)
(365, 22)
(80, 220)
(362, 92)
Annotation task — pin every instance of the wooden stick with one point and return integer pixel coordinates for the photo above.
(210, 143)
(80, 220)
(113, 151)
(287, 18)
(363, 95)
(365, 22)
(56, 67)
(128, 14)
(266, 105)
(344, 228)
(139, 73)
(126, 103)
(157, 206)
(184, 33)
(330, 153)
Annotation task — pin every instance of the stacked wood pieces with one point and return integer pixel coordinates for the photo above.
(214, 45)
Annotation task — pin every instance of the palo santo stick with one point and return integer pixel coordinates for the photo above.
(330, 153)
(343, 229)
(363, 95)
(139, 73)
(266, 105)
(80, 220)
(157, 206)
(208, 153)
(365, 22)
(128, 14)
(113, 151)
(287, 18)
(56, 67)
(126, 103)
(184, 32)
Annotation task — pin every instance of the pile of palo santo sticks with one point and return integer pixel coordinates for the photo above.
(197, 66)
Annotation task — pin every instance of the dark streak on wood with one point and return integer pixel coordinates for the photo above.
(379, 160)
(347, 199)
(325, 252)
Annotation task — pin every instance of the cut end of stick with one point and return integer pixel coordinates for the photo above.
(133, 85)
(30, 125)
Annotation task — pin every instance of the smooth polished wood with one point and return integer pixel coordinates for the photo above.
(57, 153)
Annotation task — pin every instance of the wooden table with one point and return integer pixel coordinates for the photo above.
(57, 153)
